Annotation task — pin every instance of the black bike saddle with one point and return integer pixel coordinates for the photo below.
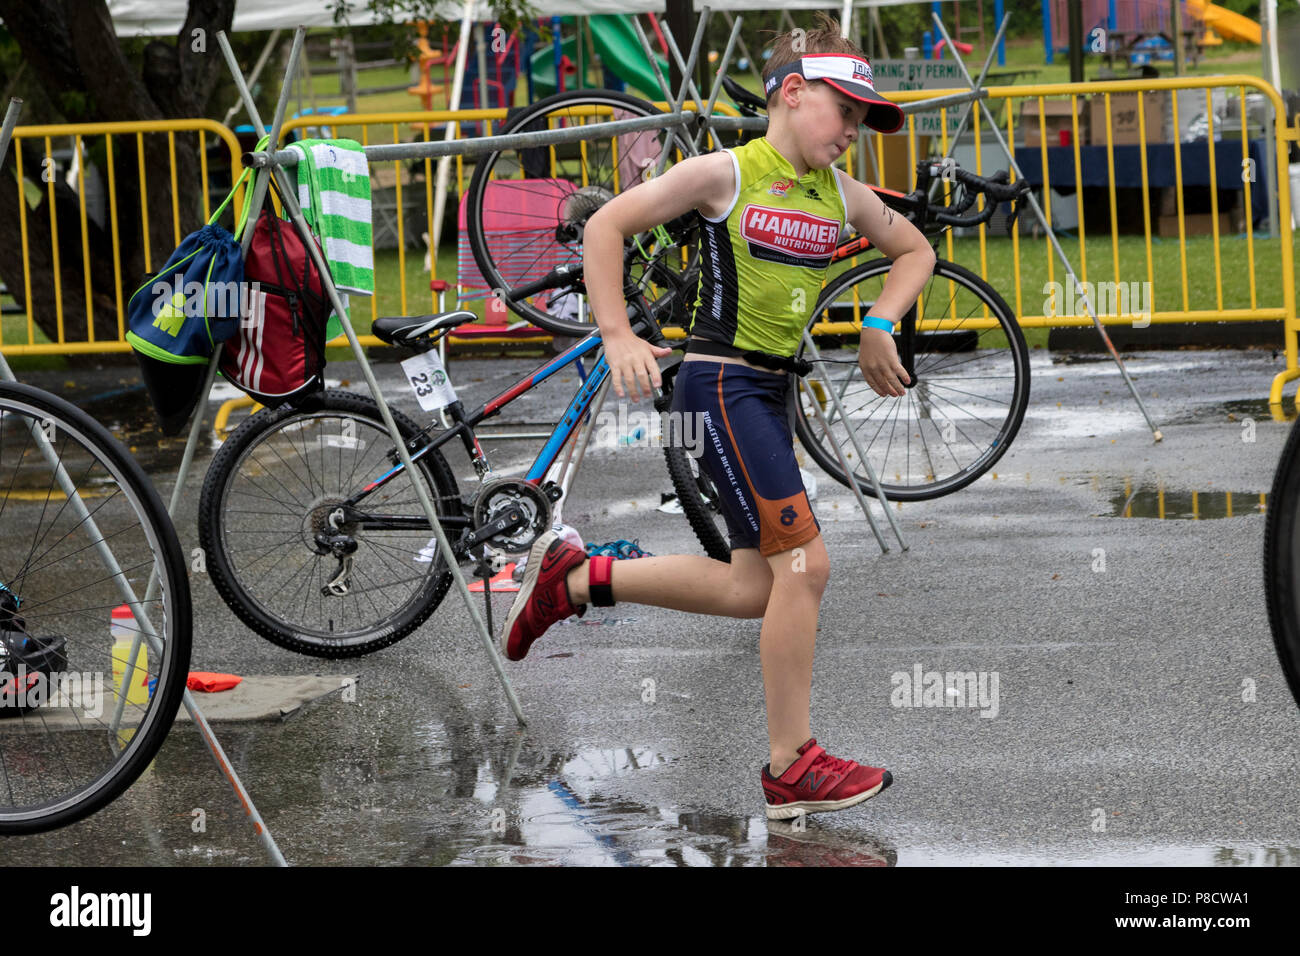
(409, 329)
(747, 102)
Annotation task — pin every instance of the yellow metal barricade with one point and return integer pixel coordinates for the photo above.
(1212, 280)
(1237, 279)
(29, 340)
(371, 129)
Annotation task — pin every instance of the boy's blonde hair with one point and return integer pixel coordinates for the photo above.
(789, 47)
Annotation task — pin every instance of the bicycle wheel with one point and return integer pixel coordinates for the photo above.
(81, 531)
(696, 493)
(1282, 561)
(526, 209)
(270, 491)
(970, 386)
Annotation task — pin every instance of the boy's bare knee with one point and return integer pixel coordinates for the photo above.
(807, 567)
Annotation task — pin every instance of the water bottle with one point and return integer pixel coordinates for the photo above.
(123, 629)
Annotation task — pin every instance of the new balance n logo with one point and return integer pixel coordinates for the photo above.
(812, 782)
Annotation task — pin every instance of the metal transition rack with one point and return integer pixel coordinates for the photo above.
(1033, 204)
(272, 163)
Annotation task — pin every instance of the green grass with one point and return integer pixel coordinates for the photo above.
(1166, 262)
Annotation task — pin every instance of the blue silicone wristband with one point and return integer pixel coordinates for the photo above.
(876, 323)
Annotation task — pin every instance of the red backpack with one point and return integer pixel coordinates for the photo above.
(278, 354)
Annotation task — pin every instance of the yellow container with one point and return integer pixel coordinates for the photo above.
(138, 692)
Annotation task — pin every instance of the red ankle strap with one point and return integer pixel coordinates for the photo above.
(601, 572)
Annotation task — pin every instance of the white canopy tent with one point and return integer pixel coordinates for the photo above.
(165, 17)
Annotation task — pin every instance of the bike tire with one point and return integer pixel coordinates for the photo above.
(238, 539)
(63, 596)
(696, 493)
(1282, 561)
(1000, 364)
(525, 253)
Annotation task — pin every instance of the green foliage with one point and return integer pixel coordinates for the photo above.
(1247, 8)
(509, 13)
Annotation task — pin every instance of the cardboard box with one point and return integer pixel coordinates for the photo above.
(894, 169)
(1124, 117)
(1194, 224)
(1057, 115)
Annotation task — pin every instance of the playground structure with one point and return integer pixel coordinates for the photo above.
(611, 38)
(1143, 28)
(1222, 24)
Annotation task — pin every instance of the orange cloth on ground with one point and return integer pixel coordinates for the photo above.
(210, 682)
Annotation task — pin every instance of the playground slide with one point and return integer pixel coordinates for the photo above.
(616, 43)
(1229, 25)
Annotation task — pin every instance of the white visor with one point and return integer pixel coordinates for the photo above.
(852, 76)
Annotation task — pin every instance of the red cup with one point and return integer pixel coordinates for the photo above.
(1065, 137)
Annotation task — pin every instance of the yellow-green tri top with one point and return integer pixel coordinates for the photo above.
(763, 261)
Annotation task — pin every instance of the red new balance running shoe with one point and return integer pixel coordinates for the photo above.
(543, 598)
(817, 782)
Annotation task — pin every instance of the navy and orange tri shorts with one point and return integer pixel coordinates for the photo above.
(747, 452)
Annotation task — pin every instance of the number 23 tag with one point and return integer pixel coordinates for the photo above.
(429, 381)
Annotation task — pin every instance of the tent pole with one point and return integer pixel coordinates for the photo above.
(290, 199)
(444, 164)
(744, 51)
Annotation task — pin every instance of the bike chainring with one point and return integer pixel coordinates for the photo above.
(502, 494)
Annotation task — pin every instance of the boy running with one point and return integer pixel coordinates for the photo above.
(771, 213)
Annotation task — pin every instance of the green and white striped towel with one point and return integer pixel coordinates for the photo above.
(334, 193)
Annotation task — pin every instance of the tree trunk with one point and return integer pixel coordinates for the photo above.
(71, 50)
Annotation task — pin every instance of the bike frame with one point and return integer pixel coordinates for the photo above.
(464, 424)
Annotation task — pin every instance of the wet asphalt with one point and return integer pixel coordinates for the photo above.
(1140, 715)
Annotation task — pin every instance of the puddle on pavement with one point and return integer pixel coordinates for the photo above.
(1237, 410)
(1149, 502)
(547, 810)
(436, 795)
